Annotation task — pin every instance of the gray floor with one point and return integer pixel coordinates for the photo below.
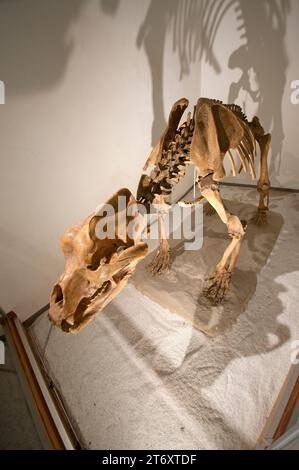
(17, 429)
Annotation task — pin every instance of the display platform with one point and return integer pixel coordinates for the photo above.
(141, 376)
(181, 288)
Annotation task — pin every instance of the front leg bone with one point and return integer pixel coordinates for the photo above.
(219, 281)
(162, 259)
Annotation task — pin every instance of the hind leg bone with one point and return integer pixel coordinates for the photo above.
(263, 185)
(208, 209)
(219, 281)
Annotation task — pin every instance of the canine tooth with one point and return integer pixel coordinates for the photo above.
(71, 319)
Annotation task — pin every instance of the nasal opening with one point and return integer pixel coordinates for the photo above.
(57, 295)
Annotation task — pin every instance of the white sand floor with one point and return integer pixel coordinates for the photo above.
(141, 376)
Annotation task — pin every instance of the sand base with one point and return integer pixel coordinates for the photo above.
(141, 377)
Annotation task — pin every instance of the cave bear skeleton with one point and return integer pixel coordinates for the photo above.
(97, 269)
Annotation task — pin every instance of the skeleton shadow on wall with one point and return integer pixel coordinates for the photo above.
(260, 54)
(263, 62)
(193, 25)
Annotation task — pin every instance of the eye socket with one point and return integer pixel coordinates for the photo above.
(94, 261)
(100, 257)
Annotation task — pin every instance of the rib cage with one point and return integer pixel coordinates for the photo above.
(171, 167)
(246, 150)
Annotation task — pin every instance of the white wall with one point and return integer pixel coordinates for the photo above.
(80, 113)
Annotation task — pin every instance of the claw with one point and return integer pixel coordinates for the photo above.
(218, 285)
(161, 262)
(260, 217)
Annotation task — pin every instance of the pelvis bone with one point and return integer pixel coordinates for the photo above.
(96, 268)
